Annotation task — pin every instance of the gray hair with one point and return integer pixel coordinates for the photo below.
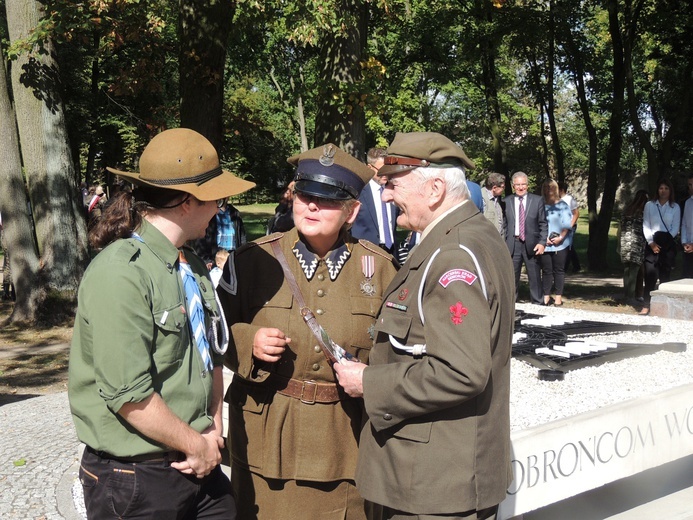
(455, 180)
(494, 179)
(517, 175)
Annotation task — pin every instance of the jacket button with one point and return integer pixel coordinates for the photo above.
(317, 348)
(321, 277)
(169, 266)
(316, 366)
(387, 417)
(320, 293)
(319, 312)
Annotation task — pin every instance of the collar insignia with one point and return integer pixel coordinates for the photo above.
(309, 261)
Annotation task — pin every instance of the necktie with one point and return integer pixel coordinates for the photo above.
(195, 312)
(387, 231)
(522, 219)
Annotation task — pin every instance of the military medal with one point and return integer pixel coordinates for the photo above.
(368, 269)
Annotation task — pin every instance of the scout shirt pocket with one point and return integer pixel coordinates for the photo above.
(364, 310)
(170, 322)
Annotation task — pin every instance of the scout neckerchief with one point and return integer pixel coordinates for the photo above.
(196, 313)
(218, 322)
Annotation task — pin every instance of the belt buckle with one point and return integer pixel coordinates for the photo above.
(314, 386)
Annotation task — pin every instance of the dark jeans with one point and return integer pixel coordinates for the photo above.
(152, 490)
(687, 271)
(553, 271)
(657, 267)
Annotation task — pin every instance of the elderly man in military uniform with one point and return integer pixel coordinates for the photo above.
(288, 297)
(437, 440)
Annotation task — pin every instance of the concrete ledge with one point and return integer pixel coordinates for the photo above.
(565, 458)
(673, 300)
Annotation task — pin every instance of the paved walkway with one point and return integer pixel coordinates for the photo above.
(38, 459)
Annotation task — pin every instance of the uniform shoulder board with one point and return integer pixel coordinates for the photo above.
(370, 246)
(258, 242)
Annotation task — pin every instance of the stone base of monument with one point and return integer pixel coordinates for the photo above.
(673, 300)
(573, 456)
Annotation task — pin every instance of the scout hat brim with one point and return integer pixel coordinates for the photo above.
(184, 160)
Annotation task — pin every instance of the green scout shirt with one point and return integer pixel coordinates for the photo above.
(132, 338)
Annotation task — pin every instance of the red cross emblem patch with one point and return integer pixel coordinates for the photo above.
(458, 311)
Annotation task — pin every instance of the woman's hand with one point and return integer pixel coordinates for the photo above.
(655, 247)
(269, 344)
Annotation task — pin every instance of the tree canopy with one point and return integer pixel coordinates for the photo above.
(592, 92)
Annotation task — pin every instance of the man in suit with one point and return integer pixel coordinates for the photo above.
(526, 238)
(437, 440)
(376, 219)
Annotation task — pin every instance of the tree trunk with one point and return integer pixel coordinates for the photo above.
(55, 200)
(541, 103)
(204, 33)
(340, 117)
(489, 47)
(577, 66)
(599, 230)
(494, 114)
(653, 167)
(18, 235)
(551, 98)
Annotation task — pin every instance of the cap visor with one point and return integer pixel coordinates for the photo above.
(391, 169)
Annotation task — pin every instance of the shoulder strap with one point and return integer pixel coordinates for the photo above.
(662, 218)
(306, 313)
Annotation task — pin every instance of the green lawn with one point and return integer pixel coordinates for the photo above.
(255, 217)
(612, 257)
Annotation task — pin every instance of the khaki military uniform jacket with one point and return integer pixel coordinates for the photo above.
(438, 436)
(275, 435)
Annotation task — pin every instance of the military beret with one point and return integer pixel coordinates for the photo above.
(420, 149)
(330, 173)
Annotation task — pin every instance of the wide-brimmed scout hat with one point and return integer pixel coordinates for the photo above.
(330, 173)
(184, 160)
(421, 149)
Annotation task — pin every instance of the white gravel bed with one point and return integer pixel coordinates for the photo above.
(534, 402)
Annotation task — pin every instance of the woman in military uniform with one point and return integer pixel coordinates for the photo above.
(293, 433)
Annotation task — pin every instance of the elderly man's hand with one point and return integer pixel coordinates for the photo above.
(350, 377)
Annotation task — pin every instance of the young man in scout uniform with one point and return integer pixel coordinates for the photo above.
(437, 440)
(145, 383)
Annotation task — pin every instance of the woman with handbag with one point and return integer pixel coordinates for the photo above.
(553, 261)
(288, 297)
(661, 222)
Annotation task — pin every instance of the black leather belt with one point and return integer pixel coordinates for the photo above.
(164, 456)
